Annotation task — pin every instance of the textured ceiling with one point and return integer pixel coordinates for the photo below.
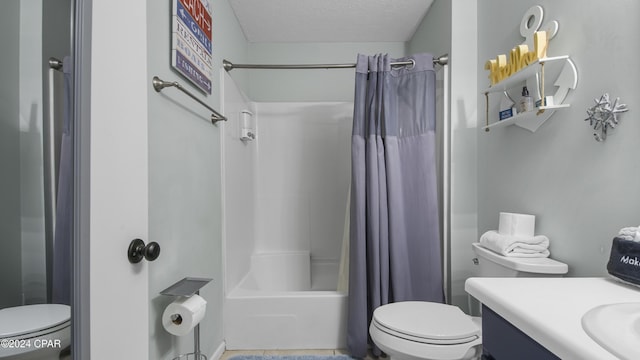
(329, 20)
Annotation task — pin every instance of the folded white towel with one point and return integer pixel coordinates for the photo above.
(507, 245)
(630, 233)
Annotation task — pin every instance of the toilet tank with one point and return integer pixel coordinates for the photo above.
(491, 264)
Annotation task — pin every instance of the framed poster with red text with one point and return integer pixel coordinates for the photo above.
(191, 46)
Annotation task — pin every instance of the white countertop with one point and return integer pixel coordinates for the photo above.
(550, 310)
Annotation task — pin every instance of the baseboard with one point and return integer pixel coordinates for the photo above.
(217, 354)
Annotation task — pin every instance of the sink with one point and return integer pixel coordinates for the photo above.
(615, 327)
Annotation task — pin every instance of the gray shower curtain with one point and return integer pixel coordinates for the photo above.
(62, 240)
(394, 237)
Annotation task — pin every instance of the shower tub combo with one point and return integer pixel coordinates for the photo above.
(284, 191)
(286, 220)
(286, 301)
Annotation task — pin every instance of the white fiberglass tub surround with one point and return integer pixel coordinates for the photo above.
(265, 311)
(284, 198)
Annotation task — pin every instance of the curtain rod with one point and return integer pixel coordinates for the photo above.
(228, 65)
(55, 64)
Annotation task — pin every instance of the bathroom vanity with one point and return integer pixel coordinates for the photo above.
(541, 318)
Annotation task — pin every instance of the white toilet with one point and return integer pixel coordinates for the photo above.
(419, 330)
(34, 332)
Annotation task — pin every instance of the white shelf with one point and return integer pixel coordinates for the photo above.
(525, 73)
(531, 120)
(559, 69)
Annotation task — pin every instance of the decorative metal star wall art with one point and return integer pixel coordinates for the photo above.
(603, 115)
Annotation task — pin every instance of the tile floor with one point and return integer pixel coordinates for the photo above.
(229, 353)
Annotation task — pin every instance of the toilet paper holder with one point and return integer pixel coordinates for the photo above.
(189, 286)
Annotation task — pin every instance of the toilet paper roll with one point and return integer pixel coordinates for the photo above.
(521, 225)
(182, 315)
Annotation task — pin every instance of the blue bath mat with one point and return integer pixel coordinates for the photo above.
(291, 357)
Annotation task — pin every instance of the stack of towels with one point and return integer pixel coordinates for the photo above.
(630, 233)
(515, 237)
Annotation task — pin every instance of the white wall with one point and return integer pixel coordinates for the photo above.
(581, 191)
(239, 185)
(433, 35)
(185, 179)
(464, 117)
(287, 189)
(303, 176)
(114, 136)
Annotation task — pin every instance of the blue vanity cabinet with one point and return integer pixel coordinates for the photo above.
(503, 341)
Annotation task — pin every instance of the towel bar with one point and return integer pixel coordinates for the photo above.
(159, 84)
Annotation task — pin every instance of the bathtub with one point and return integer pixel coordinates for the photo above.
(286, 301)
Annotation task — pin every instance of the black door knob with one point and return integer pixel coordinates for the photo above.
(138, 250)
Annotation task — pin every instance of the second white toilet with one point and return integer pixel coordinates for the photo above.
(34, 332)
(419, 330)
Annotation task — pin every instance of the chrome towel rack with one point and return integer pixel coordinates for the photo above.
(159, 84)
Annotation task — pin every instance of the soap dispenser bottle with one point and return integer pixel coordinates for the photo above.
(526, 102)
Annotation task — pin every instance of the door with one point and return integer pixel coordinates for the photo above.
(113, 54)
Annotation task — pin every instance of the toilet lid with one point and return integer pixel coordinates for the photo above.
(431, 322)
(26, 319)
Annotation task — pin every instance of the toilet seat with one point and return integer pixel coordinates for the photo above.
(29, 321)
(426, 322)
(425, 331)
